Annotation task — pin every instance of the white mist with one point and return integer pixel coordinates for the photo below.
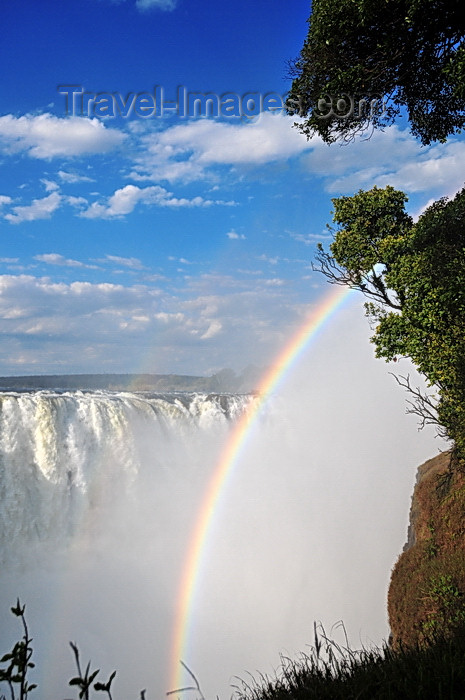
(313, 519)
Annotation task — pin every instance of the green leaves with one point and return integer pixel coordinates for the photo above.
(407, 54)
(374, 231)
(413, 275)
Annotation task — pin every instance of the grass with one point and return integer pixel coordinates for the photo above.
(332, 672)
(328, 672)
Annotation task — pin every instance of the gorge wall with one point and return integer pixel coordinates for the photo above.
(427, 590)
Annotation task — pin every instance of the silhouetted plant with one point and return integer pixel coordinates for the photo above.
(18, 662)
(329, 672)
(85, 680)
(186, 688)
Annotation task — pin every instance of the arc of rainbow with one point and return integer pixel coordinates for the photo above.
(216, 487)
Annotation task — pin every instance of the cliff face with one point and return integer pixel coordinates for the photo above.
(427, 590)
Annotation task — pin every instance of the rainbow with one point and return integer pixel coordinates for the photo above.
(196, 552)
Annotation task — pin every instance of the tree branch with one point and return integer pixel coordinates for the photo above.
(371, 284)
(422, 405)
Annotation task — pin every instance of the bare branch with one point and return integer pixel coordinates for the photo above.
(371, 284)
(422, 405)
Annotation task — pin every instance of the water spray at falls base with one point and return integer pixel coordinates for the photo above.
(101, 493)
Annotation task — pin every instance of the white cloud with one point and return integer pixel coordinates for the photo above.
(389, 157)
(78, 202)
(310, 238)
(4, 199)
(234, 236)
(145, 5)
(133, 263)
(39, 209)
(57, 259)
(83, 326)
(184, 152)
(73, 177)
(49, 185)
(441, 167)
(120, 203)
(45, 136)
(213, 329)
(275, 282)
(124, 200)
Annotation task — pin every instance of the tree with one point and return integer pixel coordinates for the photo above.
(366, 60)
(413, 275)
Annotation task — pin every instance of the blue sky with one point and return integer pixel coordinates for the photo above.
(165, 243)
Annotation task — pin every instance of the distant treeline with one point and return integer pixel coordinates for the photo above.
(224, 380)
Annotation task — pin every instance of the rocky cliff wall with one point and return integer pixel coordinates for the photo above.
(427, 590)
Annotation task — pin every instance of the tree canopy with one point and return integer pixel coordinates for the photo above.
(413, 275)
(366, 60)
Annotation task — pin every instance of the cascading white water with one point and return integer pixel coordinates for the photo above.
(99, 494)
(65, 457)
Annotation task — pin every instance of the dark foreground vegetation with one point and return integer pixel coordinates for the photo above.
(17, 664)
(329, 671)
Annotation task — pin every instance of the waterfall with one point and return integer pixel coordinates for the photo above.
(98, 495)
(64, 457)
(100, 492)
